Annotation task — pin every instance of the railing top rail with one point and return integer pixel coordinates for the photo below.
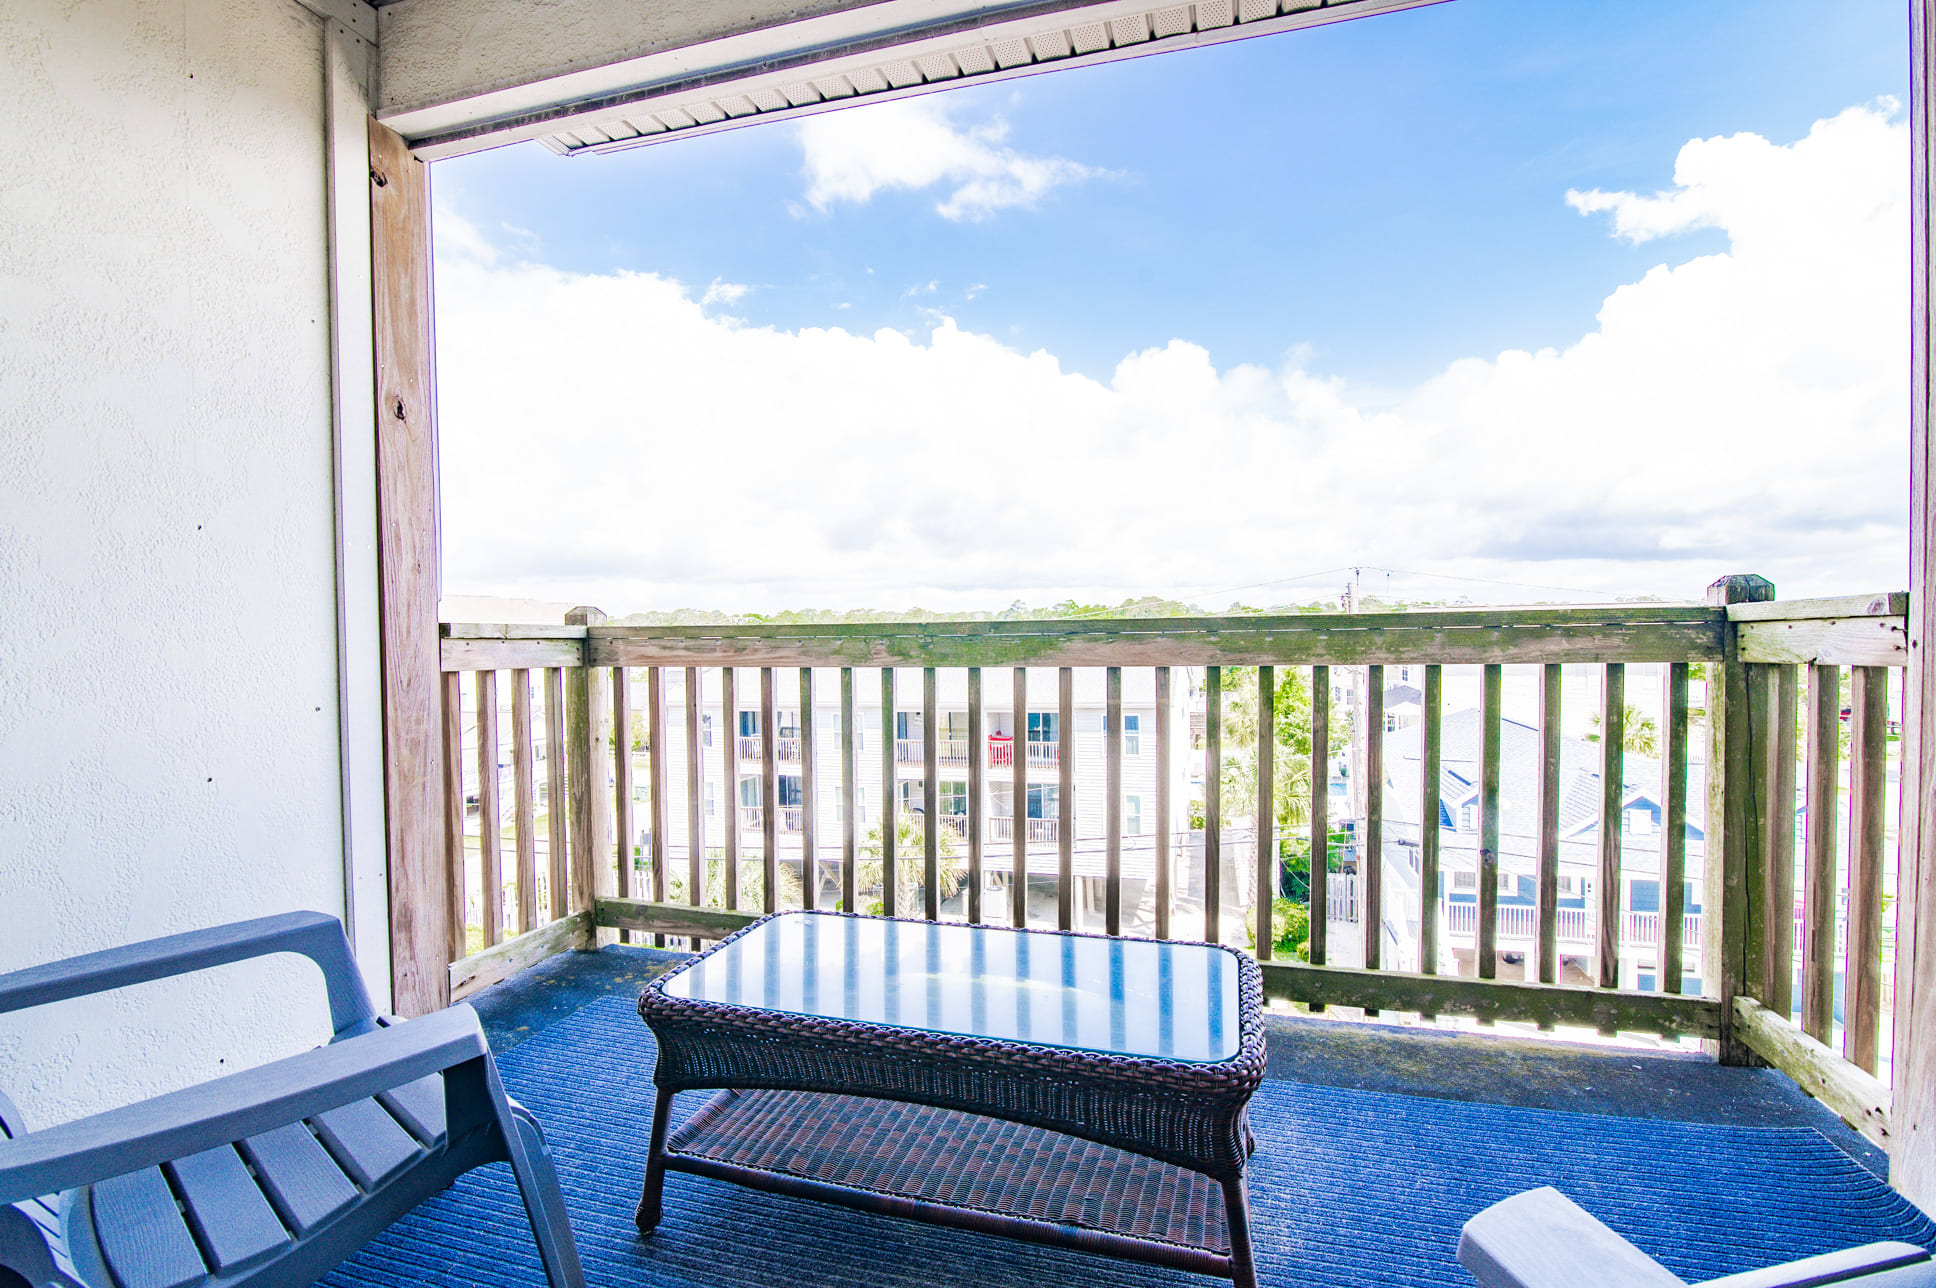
(1216, 624)
(510, 631)
(1891, 603)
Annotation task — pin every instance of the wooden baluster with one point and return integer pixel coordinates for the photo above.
(1065, 828)
(729, 790)
(695, 795)
(1371, 851)
(658, 749)
(1320, 824)
(1164, 806)
(1673, 830)
(1549, 823)
(977, 806)
(769, 793)
(525, 800)
(1431, 753)
(588, 719)
(1868, 780)
(930, 797)
(1776, 687)
(1212, 801)
(1819, 851)
(625, 826)
(1488, 937)
(1018, 809)
(1112, 800)
(809, 833)
(888, 821)
(1613, 768)
(850, 807)
(490, 823)
(456, 892)
(557, 804)
(1266, 809)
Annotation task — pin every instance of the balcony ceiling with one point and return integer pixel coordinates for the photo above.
(459, 76)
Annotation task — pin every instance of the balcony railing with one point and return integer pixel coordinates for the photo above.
(1756, 653)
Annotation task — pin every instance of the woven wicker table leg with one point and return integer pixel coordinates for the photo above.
(647, 1217)
(1236, 1208)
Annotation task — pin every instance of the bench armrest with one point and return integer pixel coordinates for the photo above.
(244, 1104)
(1542, 1239)
(312, 934)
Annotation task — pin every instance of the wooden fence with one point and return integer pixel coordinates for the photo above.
(1758, 657)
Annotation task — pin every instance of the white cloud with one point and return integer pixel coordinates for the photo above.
(1741, 411)
(914, 144)
(723, 292)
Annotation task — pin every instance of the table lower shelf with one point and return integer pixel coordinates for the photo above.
(961, 1170)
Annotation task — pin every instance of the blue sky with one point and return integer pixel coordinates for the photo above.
(1368, 203)
(1385, 190)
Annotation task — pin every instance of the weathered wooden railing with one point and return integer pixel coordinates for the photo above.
(623, 864)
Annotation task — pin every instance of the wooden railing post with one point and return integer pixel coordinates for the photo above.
(1734, 912)
(588, 715)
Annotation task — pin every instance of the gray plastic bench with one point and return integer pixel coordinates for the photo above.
(270, 1176)
(1542, 1239)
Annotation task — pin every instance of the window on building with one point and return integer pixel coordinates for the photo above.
(1404, 675)
(1132, 814)
(1391, 722)
(954, 726)
(1508, 884)
(749, 724)
(706, 729)
(789, 724)
(712, 803)
(1132, 736)
(749, 791)
(907, 724)
(1044, 726)
(1001, 800)
(1641, 822)
(954, 798)
(789, 785)
(1468, 817)
(1044, 801)
(1465, 881)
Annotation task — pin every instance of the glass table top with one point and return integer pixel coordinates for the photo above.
(1118, 996)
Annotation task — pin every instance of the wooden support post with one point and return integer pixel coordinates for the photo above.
(490, 812)
(1549, 823)
(1868, 775)
(457, 894)
(849, 786)
(889, 877)
(770, 795)
(524, 770)
(1912, 1153)
(588, 714)
(407, 562)
(557, 804)
(1430, 752)
(1266, 809)
(1212, 802)
(1320, 786)
(1673, 829)
(1820, 862)
(729, 789)
(809, 833)
(977, 792)
(1729, 891)
(1487, 940)
(695, 791)
(1772, 710)
(1371, 849)
(1112, 800)
(1065, 813)
(930, 796)
(1613, 799)
(1018, 807)
(1165, 823)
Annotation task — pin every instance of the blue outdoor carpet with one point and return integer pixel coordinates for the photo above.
(1347, 1188)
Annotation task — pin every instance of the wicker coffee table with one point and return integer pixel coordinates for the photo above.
(1076, 1090)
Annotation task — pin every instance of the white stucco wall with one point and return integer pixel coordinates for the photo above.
(168, 683)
